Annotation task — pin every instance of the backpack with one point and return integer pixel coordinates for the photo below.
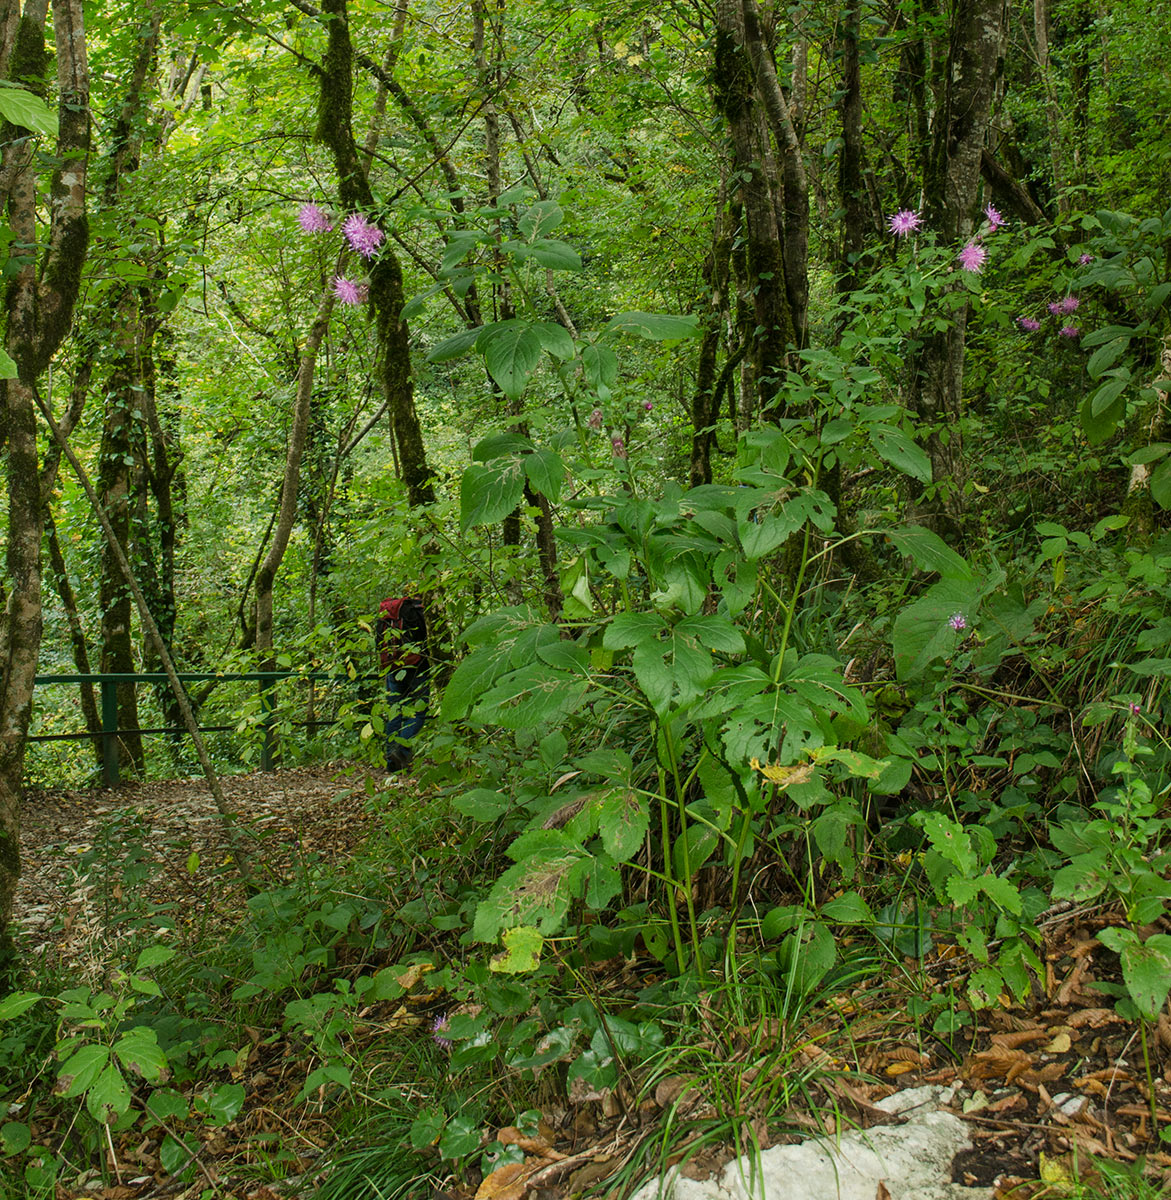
(400, 623)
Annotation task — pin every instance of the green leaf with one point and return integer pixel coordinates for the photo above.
(922, 634)
(900, 451)
(1161, 484)
(657, 327)
(176, 1155)
(929, 552)
(1106, 356)
(511, 352)
(225, 1102)
(847, 909)
(427, 1127)
(522, 951)
(540, 219)
(483, 804)
(1100, 426)
(154, 956)
(554, 338)
(623, 821)
(109, 1097)
(1105, 396)
(454, 346)
(489, 492)
(558, 256)
(529, 697)
(1146, 971)
(546, 472)
(600, 367)
(138, 1050)
(80, 1071)
(15, 1137)
(7, 366)
(533, 892)
(22, 108)
(16, 1003)
(165, 1105)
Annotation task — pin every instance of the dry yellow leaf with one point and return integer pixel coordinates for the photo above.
(1060, 1044)
(413, 974)
(506, 1183)
(900, 1068)
(784, 777)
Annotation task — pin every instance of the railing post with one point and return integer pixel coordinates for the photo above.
(110, 772)
(267, 749)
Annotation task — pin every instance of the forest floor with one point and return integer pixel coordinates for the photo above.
(1060, 1079)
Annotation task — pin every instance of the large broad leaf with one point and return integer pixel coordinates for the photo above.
(1161, 484)
(138, 1050)
(109, 1097)
(923, 632)
(22, 108)
(488, 493)
(454, 346)
(540, 220)
(1108, 392)
(530, 697)
(600, 366)
(554, 338)
(657, 327)
(511, 352)
(80, 1071)
(897, 449)
(471, 679)
(623, 822)
(929, 552)
(548, 252)
(546, 472)
(7, 366)
(1098, 426)
(534, 892)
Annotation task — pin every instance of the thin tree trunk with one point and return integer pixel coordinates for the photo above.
(1057, 157)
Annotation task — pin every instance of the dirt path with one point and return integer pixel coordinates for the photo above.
(289, 815)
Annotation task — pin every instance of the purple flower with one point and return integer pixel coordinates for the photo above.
(1135, 709)
(618, 447)
(595, 419)
(1085, 260)
(1055, 307)
(972, 257)
(647, 405)
(1028, 324)
(1069, 304)
(438, 1028)
(349, 292)
(1069, 331)
(362, 236)
(995, 220)
(905, 221)
(958, 622)
(313, 219)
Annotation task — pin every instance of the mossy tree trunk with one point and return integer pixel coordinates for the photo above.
(38, 312)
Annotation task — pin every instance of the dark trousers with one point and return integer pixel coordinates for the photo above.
(406, 695)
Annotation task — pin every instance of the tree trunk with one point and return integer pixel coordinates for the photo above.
(937, 370)
(39, 309)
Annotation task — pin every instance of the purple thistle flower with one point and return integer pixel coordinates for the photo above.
(349, 292)
(595, 419)
(1028, 324)
(905, 221)
(438, 1028)
(1135, 709)
(1069, 331)
(618, 447)
(995, 220)
(958, 622)
(313, 219)
(973, 257)
(362, 236)
(647, 405)
(1054, 307)
(1069, 304)
(1084, 260)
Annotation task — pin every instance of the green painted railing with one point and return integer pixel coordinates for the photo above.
(110, 733)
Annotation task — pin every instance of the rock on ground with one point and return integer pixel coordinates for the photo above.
(913, 1160)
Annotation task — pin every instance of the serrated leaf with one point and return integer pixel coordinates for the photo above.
(17, 1003)
(546, 472)
(109, 1097)
(1146, 971)
(511, 353)
(490, 491)
(540, 219)
(138, 1050)
(80, 1070)
(600, 367)
(623, 822)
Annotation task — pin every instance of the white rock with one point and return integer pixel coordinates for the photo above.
(913, 1160)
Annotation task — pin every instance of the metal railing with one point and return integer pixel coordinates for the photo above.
(110, 733)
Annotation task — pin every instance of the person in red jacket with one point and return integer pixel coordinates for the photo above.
(401, 635)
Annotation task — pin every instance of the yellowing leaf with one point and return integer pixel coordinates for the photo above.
(784, 777)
